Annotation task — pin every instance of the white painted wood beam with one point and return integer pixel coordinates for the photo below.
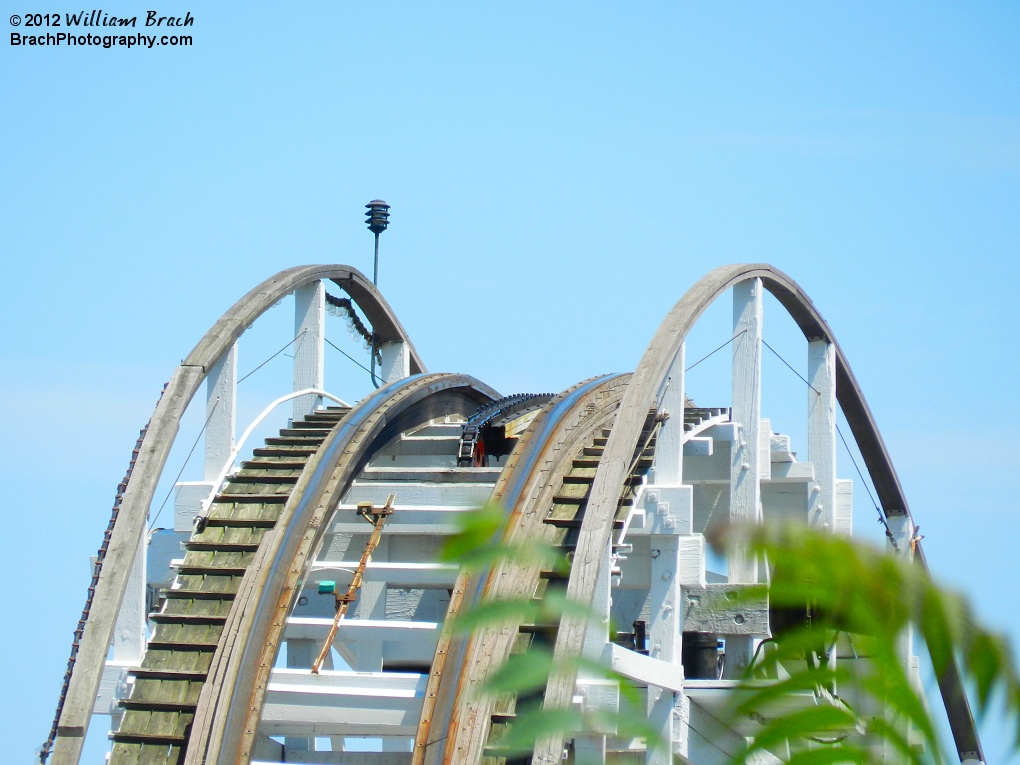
(334, 703)
(299, 656)
(903, 530)
(822, 433)
(309, 348)
(130, 633)
(336, 757)
(664, 637)
(430, 575)
(669, 444)
(312, 629)
(745, 487)
(644, 669)
(745, 451)
(220, 412)
(395, 362)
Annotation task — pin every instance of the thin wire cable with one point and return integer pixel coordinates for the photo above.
(349, 356)
(850, 454)
(288, 345)
(802, 378)
(881, 515)
(186, 459)
(703, 358)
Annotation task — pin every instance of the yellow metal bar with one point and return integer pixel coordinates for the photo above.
(378, 518)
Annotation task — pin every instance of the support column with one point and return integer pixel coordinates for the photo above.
(396, 362)
(130, 633)
(822, 433)
(745, 488)
(665, 629)
(745, 452)
(669, 445)
(129, 636)
(309, 348)
(220, 413)
(300, 654)
(590, 745)
(903, 531)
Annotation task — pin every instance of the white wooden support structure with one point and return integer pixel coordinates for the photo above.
(309, 348)
(300, 653)
(395, 362)
(745, 453)
(220, 413)
(669, 501)
(821, 433)
(129, 636)
(341, 703)
(665, 631)
(903, 530)
(596, 694)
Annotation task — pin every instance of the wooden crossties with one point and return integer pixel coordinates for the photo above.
(158, 714)
(208, 689)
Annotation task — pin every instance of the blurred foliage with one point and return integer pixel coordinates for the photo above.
(828, 596)
(480, 544)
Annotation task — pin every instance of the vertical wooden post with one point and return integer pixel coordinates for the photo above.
(745, 451)
(396, 362)
(822, 433)
(903, 529)
(220, 412)
(309, 349)
(745, 487)
(664, 635)
(669, 445)
(299, 656)
(590, 745)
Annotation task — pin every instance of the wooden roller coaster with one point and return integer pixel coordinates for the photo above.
(620, 474)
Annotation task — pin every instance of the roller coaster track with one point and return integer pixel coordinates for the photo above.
(211, 688)
(157, 721)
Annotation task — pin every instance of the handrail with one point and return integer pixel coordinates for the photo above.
(228, 465)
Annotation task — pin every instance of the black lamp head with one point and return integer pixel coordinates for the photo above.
(378, 216)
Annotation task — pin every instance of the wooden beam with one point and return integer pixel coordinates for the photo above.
(745, 455)
(821, 395)
(309, 347)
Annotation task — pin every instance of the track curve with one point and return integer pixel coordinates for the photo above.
(647, 380)
(76, 705)
(227, 715)
(548, 496)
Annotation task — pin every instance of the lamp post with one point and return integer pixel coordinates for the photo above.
(378, 218)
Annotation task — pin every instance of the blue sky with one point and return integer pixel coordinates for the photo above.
(559, 175)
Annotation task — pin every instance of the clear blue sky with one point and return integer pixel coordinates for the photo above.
(559, 173)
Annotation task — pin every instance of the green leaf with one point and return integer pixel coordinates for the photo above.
(834, 755)
(521, 673)
(803, 724)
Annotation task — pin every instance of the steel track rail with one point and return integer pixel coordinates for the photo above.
(229, 707)
(77, 703)
(641, 393)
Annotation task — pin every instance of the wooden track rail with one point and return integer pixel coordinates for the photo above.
(200, 692)
(230, 705)
(156, 725)
(77, 700)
